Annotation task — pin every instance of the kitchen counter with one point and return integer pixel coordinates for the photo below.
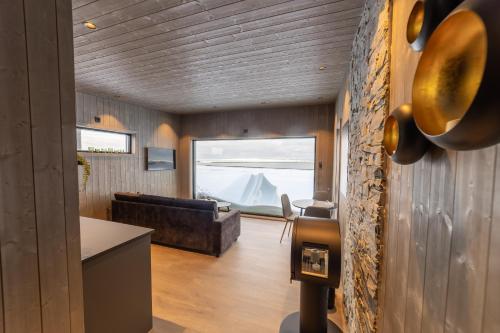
(100, 236)
(116, 265)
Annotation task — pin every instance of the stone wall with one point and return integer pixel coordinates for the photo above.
(368, 85)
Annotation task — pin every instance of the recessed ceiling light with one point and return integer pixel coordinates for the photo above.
(321, 68)
(89, 25)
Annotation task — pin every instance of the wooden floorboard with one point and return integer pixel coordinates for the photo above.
(245, 290)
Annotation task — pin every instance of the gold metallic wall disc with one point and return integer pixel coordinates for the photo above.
(455, 97)
(391, 135)
(425, 16)
(403, 142)
(449, 73)
(415, 22)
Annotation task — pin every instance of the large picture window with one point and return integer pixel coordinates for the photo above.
(252, 174)
(101, 141)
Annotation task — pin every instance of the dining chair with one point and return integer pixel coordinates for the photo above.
(317, 212)
(288, 214)
(321, 196)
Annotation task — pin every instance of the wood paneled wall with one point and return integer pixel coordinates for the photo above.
(314, 121)
(337, 126)
(442, 253)
(342, 107)
(115, 173)
(341, 119)
(40, 266)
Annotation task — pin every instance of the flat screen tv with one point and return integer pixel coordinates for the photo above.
(160, 159)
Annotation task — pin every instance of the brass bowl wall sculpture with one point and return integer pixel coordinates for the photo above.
(424, 18)
(456, 102)
(403, 142)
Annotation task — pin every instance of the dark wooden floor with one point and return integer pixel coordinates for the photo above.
(246, 290)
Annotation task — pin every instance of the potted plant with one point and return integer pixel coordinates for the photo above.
(83, 172)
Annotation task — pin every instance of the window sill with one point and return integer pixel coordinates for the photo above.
(91, 154)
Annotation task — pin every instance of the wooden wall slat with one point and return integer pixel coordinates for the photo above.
(20, 280)
(491, 318)
(400, 186)
(404, 220)
(391, 246)
(42, 39)
(470, 240)
(71, 200)
(439, 240)
(343, 213)
(39, 229)
(110, 174)
(418, 244)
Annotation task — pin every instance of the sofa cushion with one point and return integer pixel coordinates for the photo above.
(127, 196)
(182, 203)
(216, 211)
(156, 200)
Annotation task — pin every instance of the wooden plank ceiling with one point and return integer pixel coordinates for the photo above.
(190, 56)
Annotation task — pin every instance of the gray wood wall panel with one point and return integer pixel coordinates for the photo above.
(491, 322)
(115, 173)
(45, 109)
(442, 249)
(341, 120)
(71, 203)
(418, 240)
(438, 240)
(403, 219)
(390, 249)
(40, 251)
(470, 240)
(20, 279)
(314, 121)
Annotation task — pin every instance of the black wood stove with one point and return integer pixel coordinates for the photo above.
(315, 262)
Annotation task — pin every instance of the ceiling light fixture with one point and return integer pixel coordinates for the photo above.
(322, 68)
(89, 25)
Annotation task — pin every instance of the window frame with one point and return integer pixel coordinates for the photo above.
(193, 159)
(130, 135)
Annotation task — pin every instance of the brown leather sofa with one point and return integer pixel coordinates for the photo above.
(187, 224)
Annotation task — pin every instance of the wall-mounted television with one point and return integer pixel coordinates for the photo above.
(160, 159)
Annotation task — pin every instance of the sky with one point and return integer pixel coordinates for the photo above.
(296, 149)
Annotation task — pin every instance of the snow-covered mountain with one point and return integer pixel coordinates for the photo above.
(250, 190)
